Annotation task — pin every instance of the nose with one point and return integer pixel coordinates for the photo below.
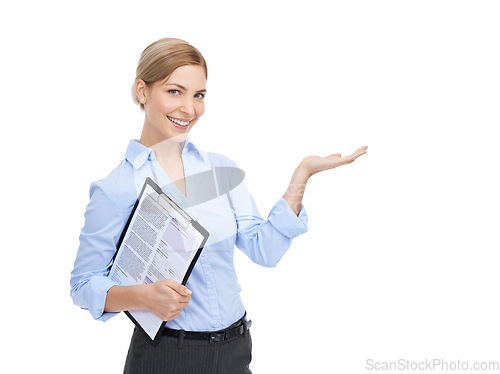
(187, 107)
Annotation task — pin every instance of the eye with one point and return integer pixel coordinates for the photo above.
(199, 95)
(173, 92)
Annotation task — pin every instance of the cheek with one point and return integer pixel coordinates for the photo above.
(165, 106)
(166, 109)
(200, 109)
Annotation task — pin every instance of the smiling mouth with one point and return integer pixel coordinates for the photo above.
(179, 122)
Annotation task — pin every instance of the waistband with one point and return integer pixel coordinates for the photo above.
(229, 333)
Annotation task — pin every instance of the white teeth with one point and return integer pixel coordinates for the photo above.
(182, 123)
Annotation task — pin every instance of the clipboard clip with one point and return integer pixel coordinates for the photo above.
(174, 211)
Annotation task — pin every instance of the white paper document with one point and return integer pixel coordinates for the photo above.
(160, 242)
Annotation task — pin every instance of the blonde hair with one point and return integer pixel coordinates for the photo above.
(161, 58)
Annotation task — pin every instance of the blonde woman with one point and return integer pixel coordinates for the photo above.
(207, 330)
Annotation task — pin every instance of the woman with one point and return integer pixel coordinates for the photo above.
(170, 89)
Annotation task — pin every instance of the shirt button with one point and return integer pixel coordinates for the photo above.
(217, 324)
(212, 291)
(204, 259)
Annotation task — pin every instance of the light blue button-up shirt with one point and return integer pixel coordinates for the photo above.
(231, 218)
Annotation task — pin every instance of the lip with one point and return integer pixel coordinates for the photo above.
(180, 119)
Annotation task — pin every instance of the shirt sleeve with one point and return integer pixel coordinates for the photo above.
(265, 241)
(103, 226)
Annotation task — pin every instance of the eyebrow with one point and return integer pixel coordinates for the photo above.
(182, 87)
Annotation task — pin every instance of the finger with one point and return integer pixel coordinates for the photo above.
(170, 318)
(359, 152)
(348, 159)
(184, 299)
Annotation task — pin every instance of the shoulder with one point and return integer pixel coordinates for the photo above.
(220, 160)
(214, 158)
(118, 187)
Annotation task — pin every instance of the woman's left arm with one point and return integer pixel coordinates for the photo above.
(310, 166)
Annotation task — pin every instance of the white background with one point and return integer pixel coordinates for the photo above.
(401, 257)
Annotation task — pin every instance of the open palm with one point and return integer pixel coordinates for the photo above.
(315, 164)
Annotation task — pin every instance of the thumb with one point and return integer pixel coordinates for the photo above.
(334, 155)
(179, 288)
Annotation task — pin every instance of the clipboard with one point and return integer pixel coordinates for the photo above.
(175, 215)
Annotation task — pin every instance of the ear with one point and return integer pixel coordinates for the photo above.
(141, 91)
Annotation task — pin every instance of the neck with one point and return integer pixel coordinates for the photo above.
(164, 148)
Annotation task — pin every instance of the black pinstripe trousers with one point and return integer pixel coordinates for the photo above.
(188, 356)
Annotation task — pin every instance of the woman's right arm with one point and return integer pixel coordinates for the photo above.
(104, 222)
(91, 288)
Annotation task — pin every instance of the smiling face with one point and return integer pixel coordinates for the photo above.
(173, 105)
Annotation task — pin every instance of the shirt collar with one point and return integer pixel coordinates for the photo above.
(190, 147)
(137, 153)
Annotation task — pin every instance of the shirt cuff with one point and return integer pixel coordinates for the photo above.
(99, 286)
(284, 219)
